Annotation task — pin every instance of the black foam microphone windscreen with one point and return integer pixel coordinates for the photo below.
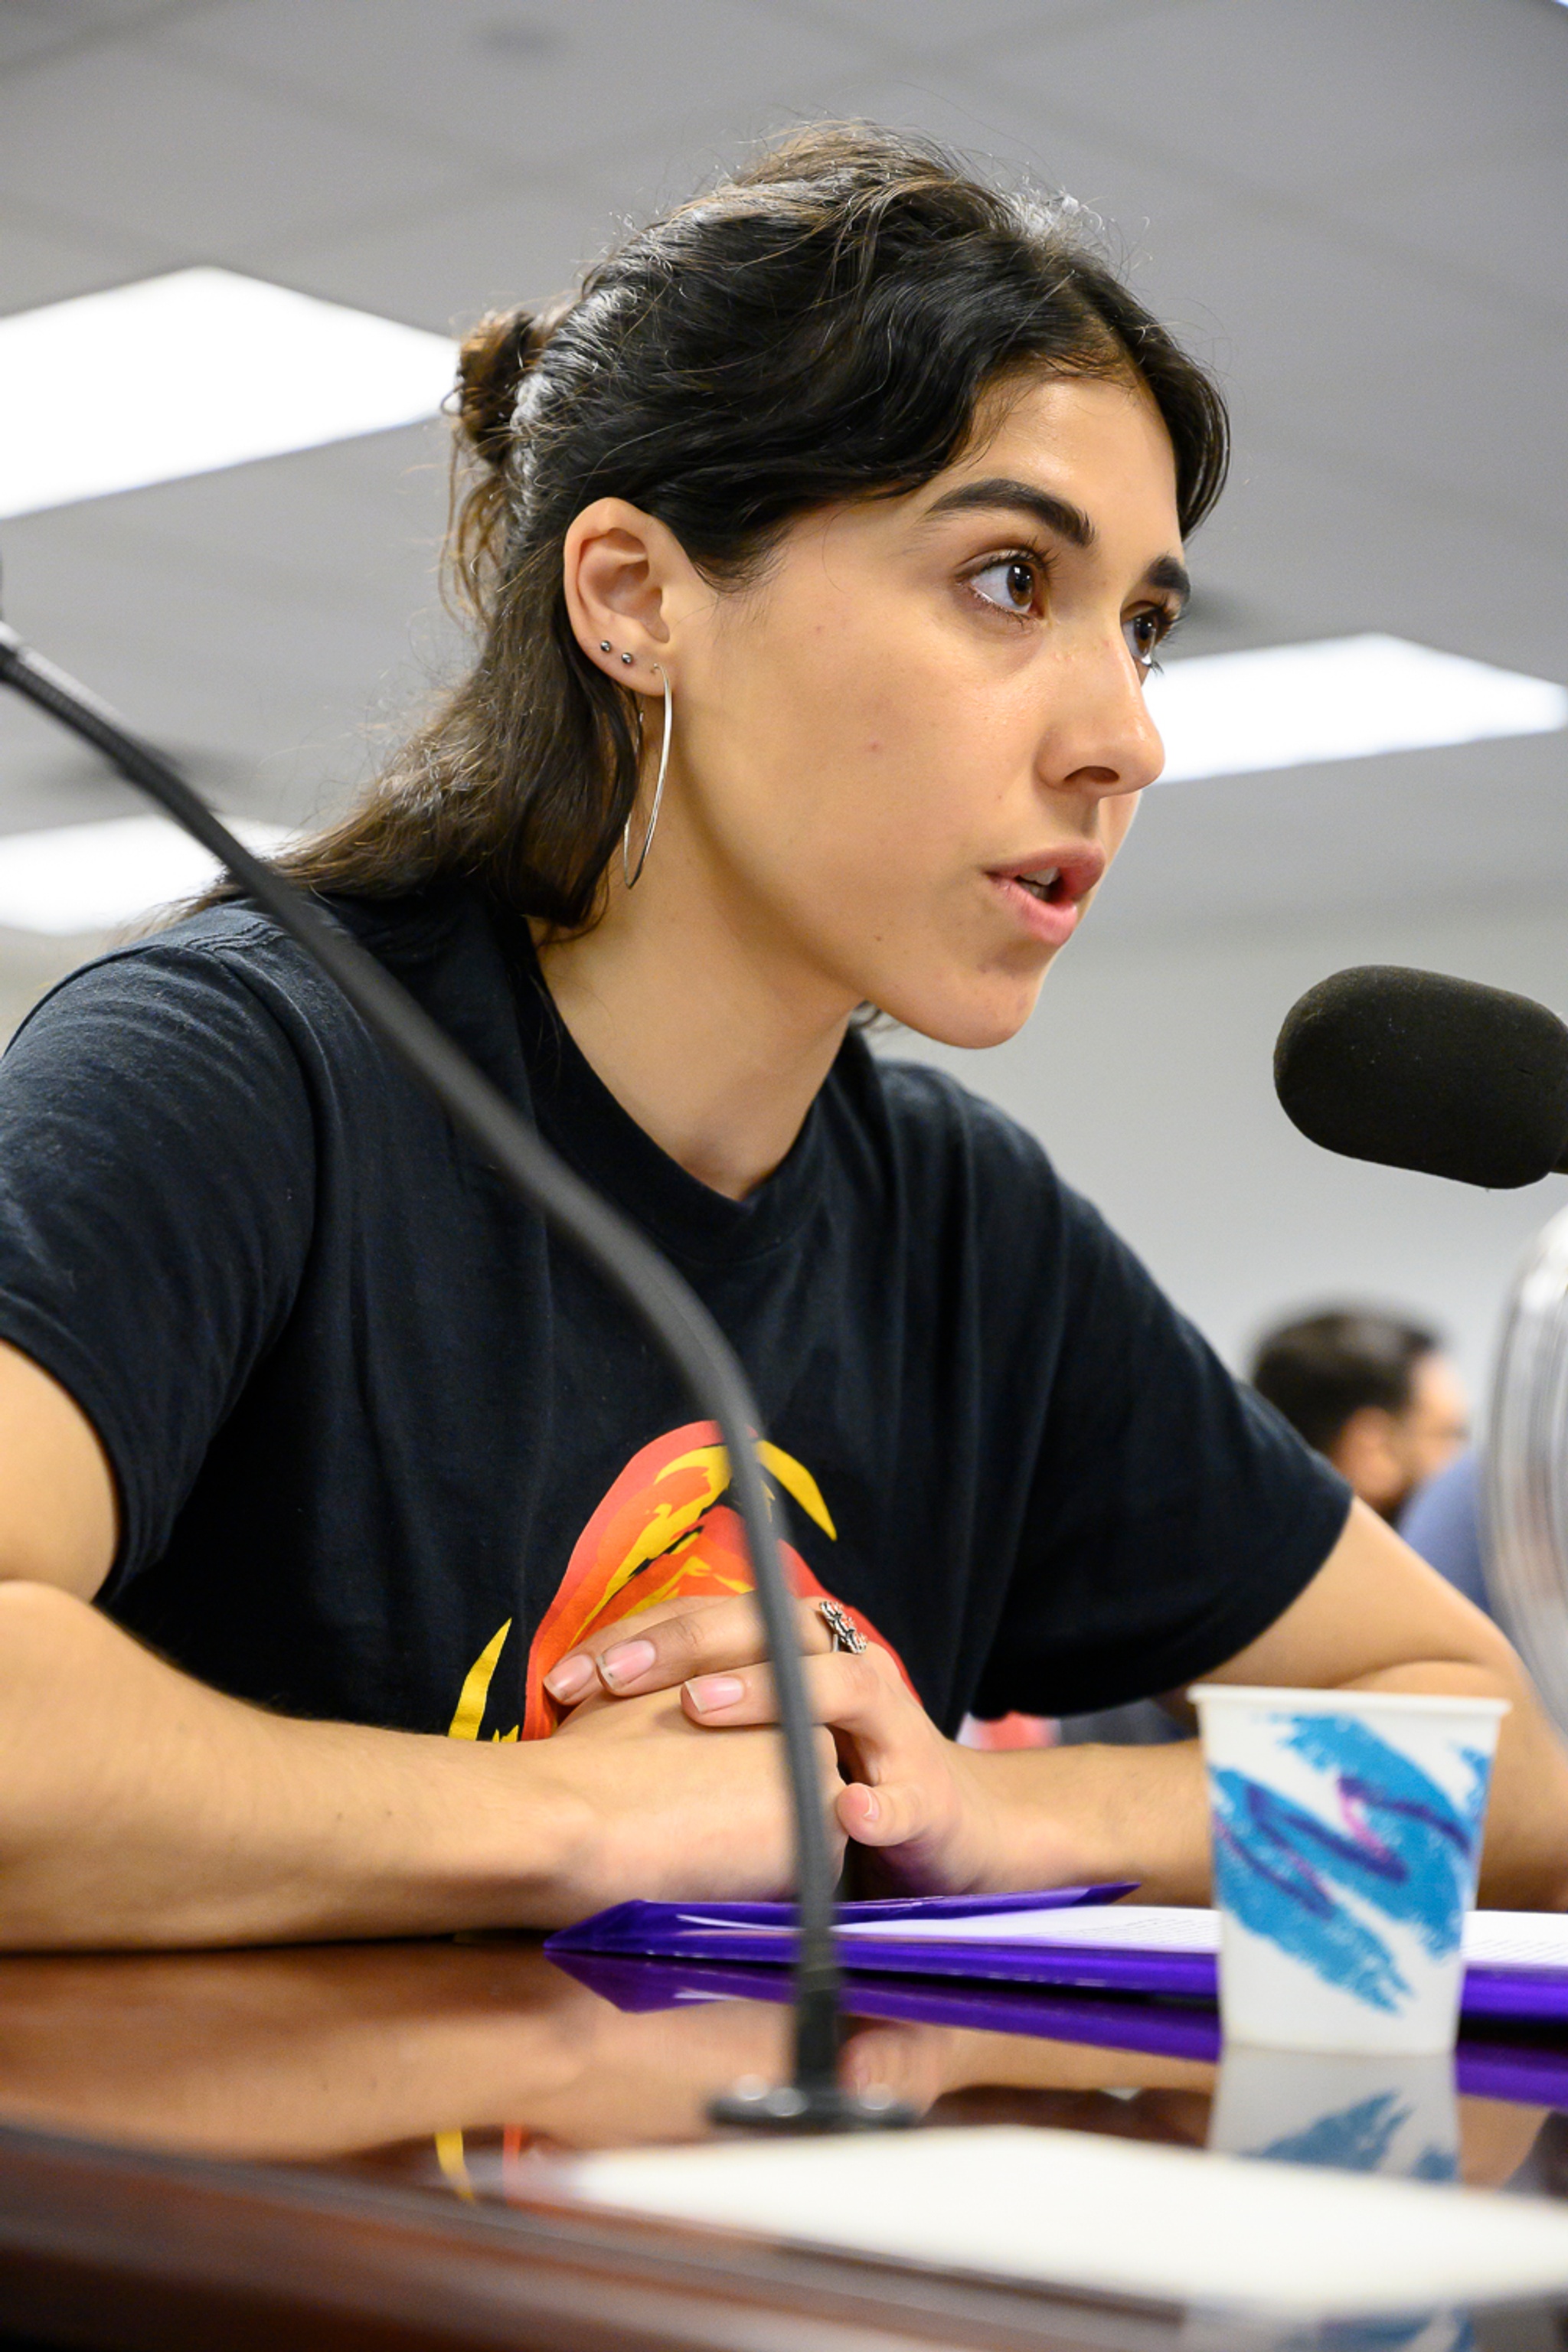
(1416, 1070)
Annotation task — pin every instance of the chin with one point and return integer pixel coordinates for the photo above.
(970, 1018)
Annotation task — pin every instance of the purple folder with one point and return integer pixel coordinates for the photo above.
(762, 1933)
(1486, 2069)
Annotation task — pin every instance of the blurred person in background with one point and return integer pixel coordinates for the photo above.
(1373, 1392)
(1377, 1395)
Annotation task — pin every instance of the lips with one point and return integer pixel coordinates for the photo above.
(1046, 892)
(1067, 875)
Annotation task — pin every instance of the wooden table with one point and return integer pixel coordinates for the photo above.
(342, 2148)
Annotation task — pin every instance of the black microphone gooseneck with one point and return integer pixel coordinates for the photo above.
(677, 1319)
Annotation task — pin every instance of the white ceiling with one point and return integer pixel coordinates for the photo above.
(1356, 207)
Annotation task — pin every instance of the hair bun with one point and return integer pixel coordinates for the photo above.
(494, 359)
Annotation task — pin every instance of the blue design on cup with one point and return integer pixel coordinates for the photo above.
(1404, 1848)
(1360, 2139)
(1388, 2335)
(1352, 2139)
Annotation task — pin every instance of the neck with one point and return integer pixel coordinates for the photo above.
(712, 1038)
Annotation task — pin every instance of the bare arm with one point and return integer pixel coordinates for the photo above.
(138, 1808)
(1374, 1617)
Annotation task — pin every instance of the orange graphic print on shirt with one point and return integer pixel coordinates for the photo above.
(662, 1533)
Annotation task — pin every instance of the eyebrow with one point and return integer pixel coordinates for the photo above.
(1068, 522)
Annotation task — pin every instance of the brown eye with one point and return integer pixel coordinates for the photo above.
(1012, 584)
(1144, 632)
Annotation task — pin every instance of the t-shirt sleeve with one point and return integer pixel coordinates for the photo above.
(1172, 1515)
(156, 1199)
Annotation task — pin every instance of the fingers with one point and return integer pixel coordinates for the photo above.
(900, 1787)
(852, 1691)
(574, 1675)
(892, 1813)
(909, 2062)
(663, 1647)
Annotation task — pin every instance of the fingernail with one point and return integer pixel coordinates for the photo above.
(570, 1679)
(708, 1692)
(871, 1806)
(627, 1661)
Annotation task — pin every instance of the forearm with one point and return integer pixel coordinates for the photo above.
(1089, 1815)
(138, 1808)
(1094, 1813)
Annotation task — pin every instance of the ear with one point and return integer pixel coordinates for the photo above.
(629, 585)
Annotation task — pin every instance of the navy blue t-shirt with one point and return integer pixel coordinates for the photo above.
(384, 1447)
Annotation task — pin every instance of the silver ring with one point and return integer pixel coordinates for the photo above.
(846, 1635)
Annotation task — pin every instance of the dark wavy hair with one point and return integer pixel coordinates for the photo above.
(822, 327)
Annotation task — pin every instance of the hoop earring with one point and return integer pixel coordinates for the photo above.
(633, 875)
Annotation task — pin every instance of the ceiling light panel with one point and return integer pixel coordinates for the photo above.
(73, 879)
(1340, 698)
(184, 374)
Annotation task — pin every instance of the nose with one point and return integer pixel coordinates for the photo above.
(1100, 737)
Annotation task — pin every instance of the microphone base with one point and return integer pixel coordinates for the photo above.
(817, 2107)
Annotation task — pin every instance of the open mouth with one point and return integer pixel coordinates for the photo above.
(1061, 881)
(1047, 895)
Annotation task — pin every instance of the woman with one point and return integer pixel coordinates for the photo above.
(820, 550)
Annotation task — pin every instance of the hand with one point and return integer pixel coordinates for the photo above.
(939, 1818)
(668, 1812)
(661, 1648)
(915, 1798)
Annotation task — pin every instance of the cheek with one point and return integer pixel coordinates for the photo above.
(796, 695)
(854, 755)
(861, 755)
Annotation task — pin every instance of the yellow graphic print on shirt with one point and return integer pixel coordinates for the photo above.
(662, 1533)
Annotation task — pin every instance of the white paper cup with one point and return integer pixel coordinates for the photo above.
(1347, 1833)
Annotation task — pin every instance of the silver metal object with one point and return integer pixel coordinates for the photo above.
(632, 877)
(846, 1635)
(1526, 1467)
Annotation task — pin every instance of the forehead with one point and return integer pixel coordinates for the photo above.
(1437, 1384)
(1098, 440)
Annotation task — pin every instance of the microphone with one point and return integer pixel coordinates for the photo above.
(1414, 1069)
(674, 1316)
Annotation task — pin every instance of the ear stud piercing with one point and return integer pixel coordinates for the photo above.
(603, 645)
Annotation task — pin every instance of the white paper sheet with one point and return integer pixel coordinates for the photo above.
(1141, 1927)
(1073, 2209)
(1516, 1939)
(1492, 1939)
